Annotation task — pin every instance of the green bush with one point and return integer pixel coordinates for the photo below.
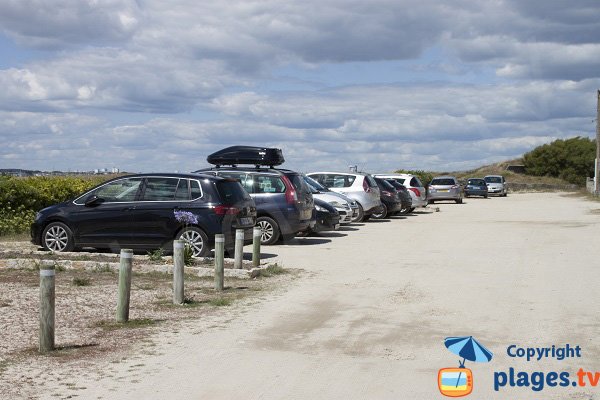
(571, 160)
(21, 198)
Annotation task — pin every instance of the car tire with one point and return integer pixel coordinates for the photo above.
(197, 239)
(366, 218)
(485, 196)
(458, 201)
(382, 214)
(58, 237)
(269, 230)
(410, 210)
(361, 214)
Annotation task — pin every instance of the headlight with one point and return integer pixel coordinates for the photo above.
(319, 208)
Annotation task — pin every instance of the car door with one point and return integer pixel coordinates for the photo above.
(107, 222)
(154, 213)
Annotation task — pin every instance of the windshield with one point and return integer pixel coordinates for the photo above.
(315, 186)
(493, 179)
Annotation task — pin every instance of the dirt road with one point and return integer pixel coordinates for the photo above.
(369, 318)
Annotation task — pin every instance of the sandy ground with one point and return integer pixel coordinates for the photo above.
(369, 319)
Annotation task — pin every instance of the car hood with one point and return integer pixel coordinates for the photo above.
(330, 197)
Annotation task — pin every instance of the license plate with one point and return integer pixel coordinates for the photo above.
(246, 221)
(443, 190)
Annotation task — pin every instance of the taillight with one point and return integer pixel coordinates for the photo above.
(366, 186)
(415, 191)
(226, 210)
(291, 197)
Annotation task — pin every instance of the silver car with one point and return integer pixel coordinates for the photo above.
(345, 206)
(415, 188)
(445, 188)
(496, 185)
(358, 186)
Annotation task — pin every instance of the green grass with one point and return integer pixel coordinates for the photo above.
(220, 302)
(273, 269)
(78, 281)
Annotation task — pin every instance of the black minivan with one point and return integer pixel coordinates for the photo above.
(148, 211)
(284, 202)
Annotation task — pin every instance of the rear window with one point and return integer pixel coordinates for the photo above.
(231, 192)
(242, 177)
(415, 182)
(371, 181)
(298, 182)
(400, 180)
(476, 182)
(386, 185)
(443, 181)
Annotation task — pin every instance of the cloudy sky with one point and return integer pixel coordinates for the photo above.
(154, 85)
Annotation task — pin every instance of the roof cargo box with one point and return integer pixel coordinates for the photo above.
(247, 155)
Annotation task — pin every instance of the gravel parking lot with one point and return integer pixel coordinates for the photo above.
(369, 318)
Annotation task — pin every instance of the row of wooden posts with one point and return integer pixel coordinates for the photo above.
(48, 293)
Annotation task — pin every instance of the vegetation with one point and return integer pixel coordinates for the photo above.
(424, 176)
(21, 198)
(571, 160)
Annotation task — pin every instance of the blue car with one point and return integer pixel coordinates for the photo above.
(476, 187)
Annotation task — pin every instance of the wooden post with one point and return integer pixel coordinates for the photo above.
(239, 248)
(256, 235)
(124, 285)
(47, 307)
(219, 261)
(178, 271)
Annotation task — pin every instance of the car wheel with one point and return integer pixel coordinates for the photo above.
(58, 237)
(411, 210)
(382, 214)
(269, 230)
(361, 214)
(485, 196)
(366, 218)
(458, 201)
(196, 239)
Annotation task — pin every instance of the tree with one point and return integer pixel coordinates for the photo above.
(570, 159)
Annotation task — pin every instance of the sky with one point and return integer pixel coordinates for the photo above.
(156, 86)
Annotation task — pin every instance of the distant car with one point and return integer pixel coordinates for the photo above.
(413, 184)
(284, 202)
(405, 196)
(496, 185)
(345, 206)
(390, 199)
(358, 186)
(148, 211)
(476, 187)
(445, 188)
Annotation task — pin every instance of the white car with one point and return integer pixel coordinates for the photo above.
(496, 185)
(345, 206)
(413, 184)
(358, 186)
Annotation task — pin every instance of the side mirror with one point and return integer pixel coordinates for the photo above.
(93, 201)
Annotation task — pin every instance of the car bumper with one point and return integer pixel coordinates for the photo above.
(328, 222)
(444, 196)
(476, 192)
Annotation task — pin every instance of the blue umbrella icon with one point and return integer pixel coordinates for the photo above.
(469, 349)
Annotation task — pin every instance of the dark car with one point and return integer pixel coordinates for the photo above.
(405, 196)
(284, 202)
(148, 211)
(390, 199)
(476, 187)
(327, 218)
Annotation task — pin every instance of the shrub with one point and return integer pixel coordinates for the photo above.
(424, 176)
(571, 160)
(21, 198)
